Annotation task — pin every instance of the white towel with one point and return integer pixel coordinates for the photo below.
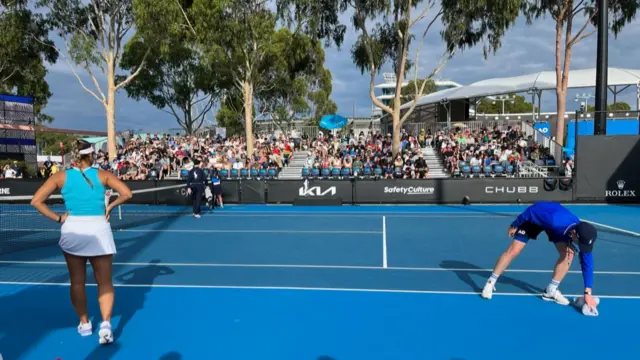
(579, 302)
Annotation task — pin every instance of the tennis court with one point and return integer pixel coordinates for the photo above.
(341, 283)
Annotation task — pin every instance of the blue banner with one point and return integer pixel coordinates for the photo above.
(543, 127)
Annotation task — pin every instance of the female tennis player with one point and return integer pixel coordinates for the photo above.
(86, 233)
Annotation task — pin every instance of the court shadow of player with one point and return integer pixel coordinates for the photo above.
(135, 299)
(29, 313)
(324, 357)
(171, 356)
(465, 270)
(142, 275)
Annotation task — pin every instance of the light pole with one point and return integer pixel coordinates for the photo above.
(503, 99)
(585, 100)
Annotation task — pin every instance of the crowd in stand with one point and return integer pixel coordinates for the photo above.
(486, 152)
(490, 151)
(164, 156)
(367, 154)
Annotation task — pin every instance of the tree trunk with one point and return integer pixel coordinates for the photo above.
(110, 107)
(188, 122)
(247, 89)
(561, 94)
(396, 133)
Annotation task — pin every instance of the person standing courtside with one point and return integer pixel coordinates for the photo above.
(196, 183)
(85, 233)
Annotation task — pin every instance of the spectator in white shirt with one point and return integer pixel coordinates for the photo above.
(9, 173)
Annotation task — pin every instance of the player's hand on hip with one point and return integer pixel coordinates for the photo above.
(108, 213)
(189, 191)
(63, 218)
(511, 231)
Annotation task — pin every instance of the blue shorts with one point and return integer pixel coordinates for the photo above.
(529, 231)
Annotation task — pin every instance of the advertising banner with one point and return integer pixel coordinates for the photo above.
(453, 191)
(512, 190)
(11, 188)
(607, 168)
(286, 191)
(436, 191)
(398, 191)
(252, 191)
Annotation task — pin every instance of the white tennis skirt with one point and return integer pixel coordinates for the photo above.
(87, 236)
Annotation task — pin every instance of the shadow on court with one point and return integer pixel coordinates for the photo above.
(128, 306)
(474, 270)
(28, 315)
(171, 356)
(142, 275)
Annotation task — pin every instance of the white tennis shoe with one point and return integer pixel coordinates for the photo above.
(85, 329)
(488, 290)
(105, 334)
(556, 297)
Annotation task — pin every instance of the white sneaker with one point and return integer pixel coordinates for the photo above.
(557, 297)
(85, 329)
(488, 290)
(197, 216)
(105, 334)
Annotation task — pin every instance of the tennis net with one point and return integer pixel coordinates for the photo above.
(22, 227)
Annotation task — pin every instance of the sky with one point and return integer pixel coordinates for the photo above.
(525, 49)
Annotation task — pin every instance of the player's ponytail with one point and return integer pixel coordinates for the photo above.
(82, 153)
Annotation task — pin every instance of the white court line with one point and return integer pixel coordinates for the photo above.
(384, 242)
(613, 228)
(292, 288)
(315, 214)
(218, 231)
(328, 267)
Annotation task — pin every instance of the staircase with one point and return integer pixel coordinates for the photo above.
(435, 163)
(294, 170)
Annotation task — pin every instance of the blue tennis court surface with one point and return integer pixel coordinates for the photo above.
(341, 283)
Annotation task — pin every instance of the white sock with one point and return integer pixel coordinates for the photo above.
(553, 287)
(493, 279)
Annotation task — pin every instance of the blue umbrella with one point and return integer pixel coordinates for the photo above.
(332, 122)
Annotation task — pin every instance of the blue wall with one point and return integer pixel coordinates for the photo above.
(614, 127)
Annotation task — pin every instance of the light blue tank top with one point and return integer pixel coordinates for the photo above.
(79, 198)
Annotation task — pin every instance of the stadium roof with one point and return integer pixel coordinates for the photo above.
(545, 80)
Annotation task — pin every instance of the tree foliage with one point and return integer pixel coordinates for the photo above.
(94, 33)
(300, 83)
(388, 28)
(517, 106)
(25, 47)
(174, 80)
(575, 20)
(49, 143)
(407, 94)
(260, 70)
(617, 106)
